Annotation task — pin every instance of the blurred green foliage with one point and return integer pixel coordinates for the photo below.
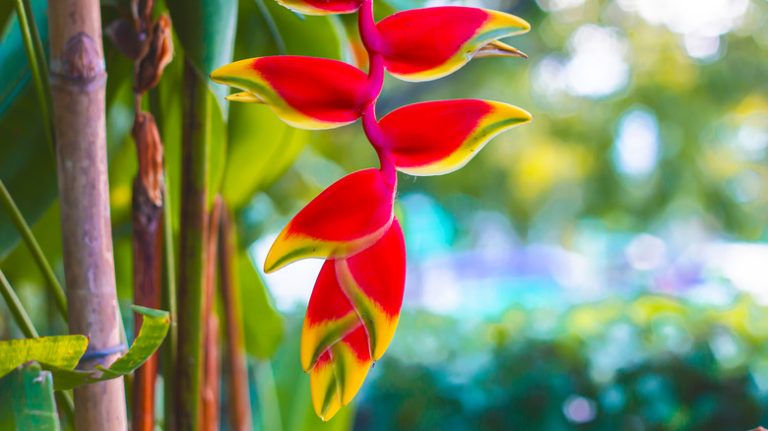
(649, 363)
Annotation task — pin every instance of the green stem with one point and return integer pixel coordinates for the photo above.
(192, 248)
(28, 328)
(17, 309)
(37, 253)
(169, 303)
(37, 64)
(272, 27)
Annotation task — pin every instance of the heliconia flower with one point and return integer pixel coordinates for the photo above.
(345, 218)
(351, 319)
(455, 132)
(305, 92)
(429, 43)
(321, 7)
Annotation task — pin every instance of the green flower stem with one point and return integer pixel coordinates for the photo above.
(17, 309)
(195, 155)
(37, 64)
(37, 253)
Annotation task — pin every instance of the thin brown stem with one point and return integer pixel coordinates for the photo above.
(210, 392)
(239, 397)
(147, 276)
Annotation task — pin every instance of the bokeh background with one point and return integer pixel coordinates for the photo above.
(602, 268)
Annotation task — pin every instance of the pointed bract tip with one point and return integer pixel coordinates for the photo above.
(503, 19)
(229, 73)
(244, 97)
(499, 49)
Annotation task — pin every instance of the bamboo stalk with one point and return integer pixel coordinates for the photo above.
(192, 235)
(239, 396)
(78, 79)
(210, 392)
(34, 248)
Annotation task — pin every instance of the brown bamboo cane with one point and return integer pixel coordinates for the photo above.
(78, 79)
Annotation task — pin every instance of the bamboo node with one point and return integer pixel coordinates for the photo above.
(81, 64)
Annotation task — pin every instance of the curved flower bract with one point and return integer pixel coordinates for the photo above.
(321, 7)
(455, 132)
(351, 318)
(305, 92)
(347, 217)
(330, 316)
(374, 280)
(426, 44)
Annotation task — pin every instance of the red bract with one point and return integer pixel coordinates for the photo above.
(426, 44)
(345, 218)
(455, 132)
(355, 304)
(305, 92)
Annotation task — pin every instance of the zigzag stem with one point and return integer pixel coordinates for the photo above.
(372, 41)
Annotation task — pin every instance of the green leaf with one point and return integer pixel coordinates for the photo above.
(26, 400)
(261, 148)
(24, 149)
(63, 351)
(206, 29)
(15, 74)
(264, 326)
(151, 335)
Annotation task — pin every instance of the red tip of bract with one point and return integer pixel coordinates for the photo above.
(321, 7)
(425, 44)
(433, 138)
(347, 217)
(305, 92)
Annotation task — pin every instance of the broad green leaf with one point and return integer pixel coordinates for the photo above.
(15, 74)
(206, 29)
(264, 326)
(63, 351)
(24, 148)
(151, 335)
(26, 400)
(305, 35)
(261, 148)
(24, 152)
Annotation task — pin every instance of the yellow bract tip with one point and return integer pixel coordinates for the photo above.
(244, 96)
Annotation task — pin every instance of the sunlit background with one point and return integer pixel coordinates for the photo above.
(602, 268)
